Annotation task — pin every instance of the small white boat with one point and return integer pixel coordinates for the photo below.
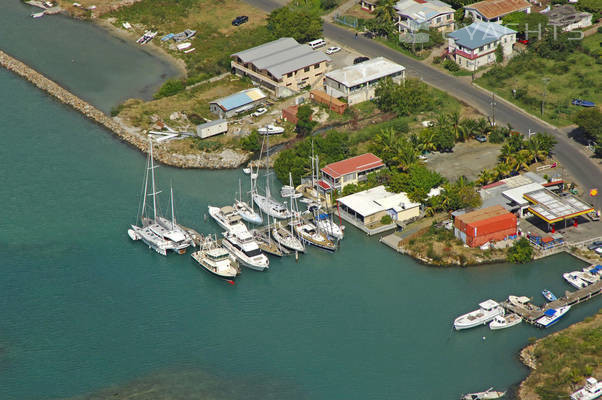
(506, 321)
(588, 277)
(549, 295)
(270, 130)
(287, 191)
(127, 25)
(328, 226)
(487, 311)
(183, 46)
(592, 390)
(552, 316)
(38, 14)
(246, 170)
(574, 279)
(486, 395)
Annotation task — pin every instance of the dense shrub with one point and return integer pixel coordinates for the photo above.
(169, 88)
(521, 252)
(451, 66)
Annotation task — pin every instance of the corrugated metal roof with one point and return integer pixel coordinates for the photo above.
(478, 34)
(359, 163)
(422, 10)
(212, 123)
(366, 71)
(281, 56)
(498, 8)
(240, 99)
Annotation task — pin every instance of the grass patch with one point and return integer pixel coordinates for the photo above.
(578, 76)
(394, 44)
(565, 359)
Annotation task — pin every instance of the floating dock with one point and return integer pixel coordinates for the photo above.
(531, 313)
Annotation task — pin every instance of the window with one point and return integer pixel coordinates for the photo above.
(316, 66)
(438, 20)
(306, 69)
(289, 75)
(448, 17)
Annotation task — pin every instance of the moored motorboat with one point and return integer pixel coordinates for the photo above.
(592, 390)
(552, 315)
(487, 311)
(241, 244)
(588, 277)
(216, 260)
(226, 217)
(574, 279)
(549, 295)
(504, 321)
(270, 130)
(488, 394)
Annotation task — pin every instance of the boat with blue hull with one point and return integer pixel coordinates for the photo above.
(549, 295)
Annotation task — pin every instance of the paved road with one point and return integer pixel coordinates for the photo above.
(569, 153)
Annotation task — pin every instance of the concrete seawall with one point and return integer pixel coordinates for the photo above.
(224, 159)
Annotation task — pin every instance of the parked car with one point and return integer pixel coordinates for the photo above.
(332, 50)
(599, 250)
(595, 245)
(523, 41)
(241, 19)
(481, 138)
(260, 111)
(360, 60)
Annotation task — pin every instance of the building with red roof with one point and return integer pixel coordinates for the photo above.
(350, 171)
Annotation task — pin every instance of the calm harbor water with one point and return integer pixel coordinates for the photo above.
(86, 310)
(100, 68)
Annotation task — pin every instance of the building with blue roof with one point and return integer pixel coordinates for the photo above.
(474, 46)
(238, 102)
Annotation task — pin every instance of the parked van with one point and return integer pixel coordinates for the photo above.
(314, 44)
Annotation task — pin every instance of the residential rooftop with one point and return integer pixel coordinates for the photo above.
(366, 71)
(359, 163)
(422, 10)
(498, 8)
(281, 56)
(478, 34)
(563, 15)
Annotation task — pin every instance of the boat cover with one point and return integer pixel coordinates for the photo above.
(550, 312)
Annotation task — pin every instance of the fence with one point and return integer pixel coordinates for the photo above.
(347, 20)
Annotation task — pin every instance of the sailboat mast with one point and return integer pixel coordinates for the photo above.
(145, 187)
(313, 184)
(173, 216)
(267, 168)
(153, 180)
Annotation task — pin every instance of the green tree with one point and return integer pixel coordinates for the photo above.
(521, 252)
(303, 24)
(499, 54)
(328, 4)
(417, 182)
(411, 97)
(590, 121)
(386, 220)
(252, 142)
(304, 123)
(526, 24)
(555, 46)
(445, 139)
(486, 177)
(169, 88)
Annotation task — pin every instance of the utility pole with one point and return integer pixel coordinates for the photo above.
(545, 87)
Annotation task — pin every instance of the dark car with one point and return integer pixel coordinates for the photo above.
(595, 245)
(481, 138)
(368, 35)
(360, 60)
(241, 19)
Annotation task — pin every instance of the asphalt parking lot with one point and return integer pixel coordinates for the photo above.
(342, 58)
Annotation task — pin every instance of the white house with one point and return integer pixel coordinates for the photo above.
(212, 128)
(474, 46)
(414, 15)
(357, 83)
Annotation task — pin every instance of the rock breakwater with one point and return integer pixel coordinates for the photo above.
(227, 158)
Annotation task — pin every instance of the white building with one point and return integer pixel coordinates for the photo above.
(212, 128)
(365, 209)
(474, 46)
(567, 18)
(414, 15)
(357, 83)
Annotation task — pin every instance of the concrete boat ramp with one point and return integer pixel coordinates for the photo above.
(531, 313)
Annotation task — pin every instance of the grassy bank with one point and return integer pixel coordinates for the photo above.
(563, 361)
(523, 81)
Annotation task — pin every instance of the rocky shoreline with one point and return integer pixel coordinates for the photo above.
(227, 158)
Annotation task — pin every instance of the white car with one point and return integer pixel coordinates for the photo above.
(260, 111)
(599, 250)
(332, 50)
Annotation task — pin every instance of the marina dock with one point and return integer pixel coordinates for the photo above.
(531, 313)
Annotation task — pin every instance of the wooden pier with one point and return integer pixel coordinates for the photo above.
(531, 313)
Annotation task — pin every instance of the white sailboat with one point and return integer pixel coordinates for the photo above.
(266, 203)
(285, 237)
(156, 232)
(246, 211)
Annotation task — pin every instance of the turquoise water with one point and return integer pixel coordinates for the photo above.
(100, 68)
(84, 309)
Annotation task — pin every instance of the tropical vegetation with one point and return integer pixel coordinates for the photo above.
(590, 121)
(521, 252)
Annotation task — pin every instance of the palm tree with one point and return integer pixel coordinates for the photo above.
(405, 154)
(521, 160)
(427, 140)
(506, 153)
(386, 143)
(455, 123)
(385, 11)
(501, 171)
(486, 177)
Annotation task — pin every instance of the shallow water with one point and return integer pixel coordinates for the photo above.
(102, 69)
(85, 311)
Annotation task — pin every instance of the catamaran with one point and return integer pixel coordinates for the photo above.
(216, 259)
(241, 244)
(487, 311)
(266, 203)
(159, 233)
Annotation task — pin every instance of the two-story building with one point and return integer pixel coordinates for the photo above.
(474, 46)
(415, 15)
(357, 83)
(495, 10)
(282, 66)
(567, 17)
(350, 171)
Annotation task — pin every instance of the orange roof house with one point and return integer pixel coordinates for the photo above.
(494, 10)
